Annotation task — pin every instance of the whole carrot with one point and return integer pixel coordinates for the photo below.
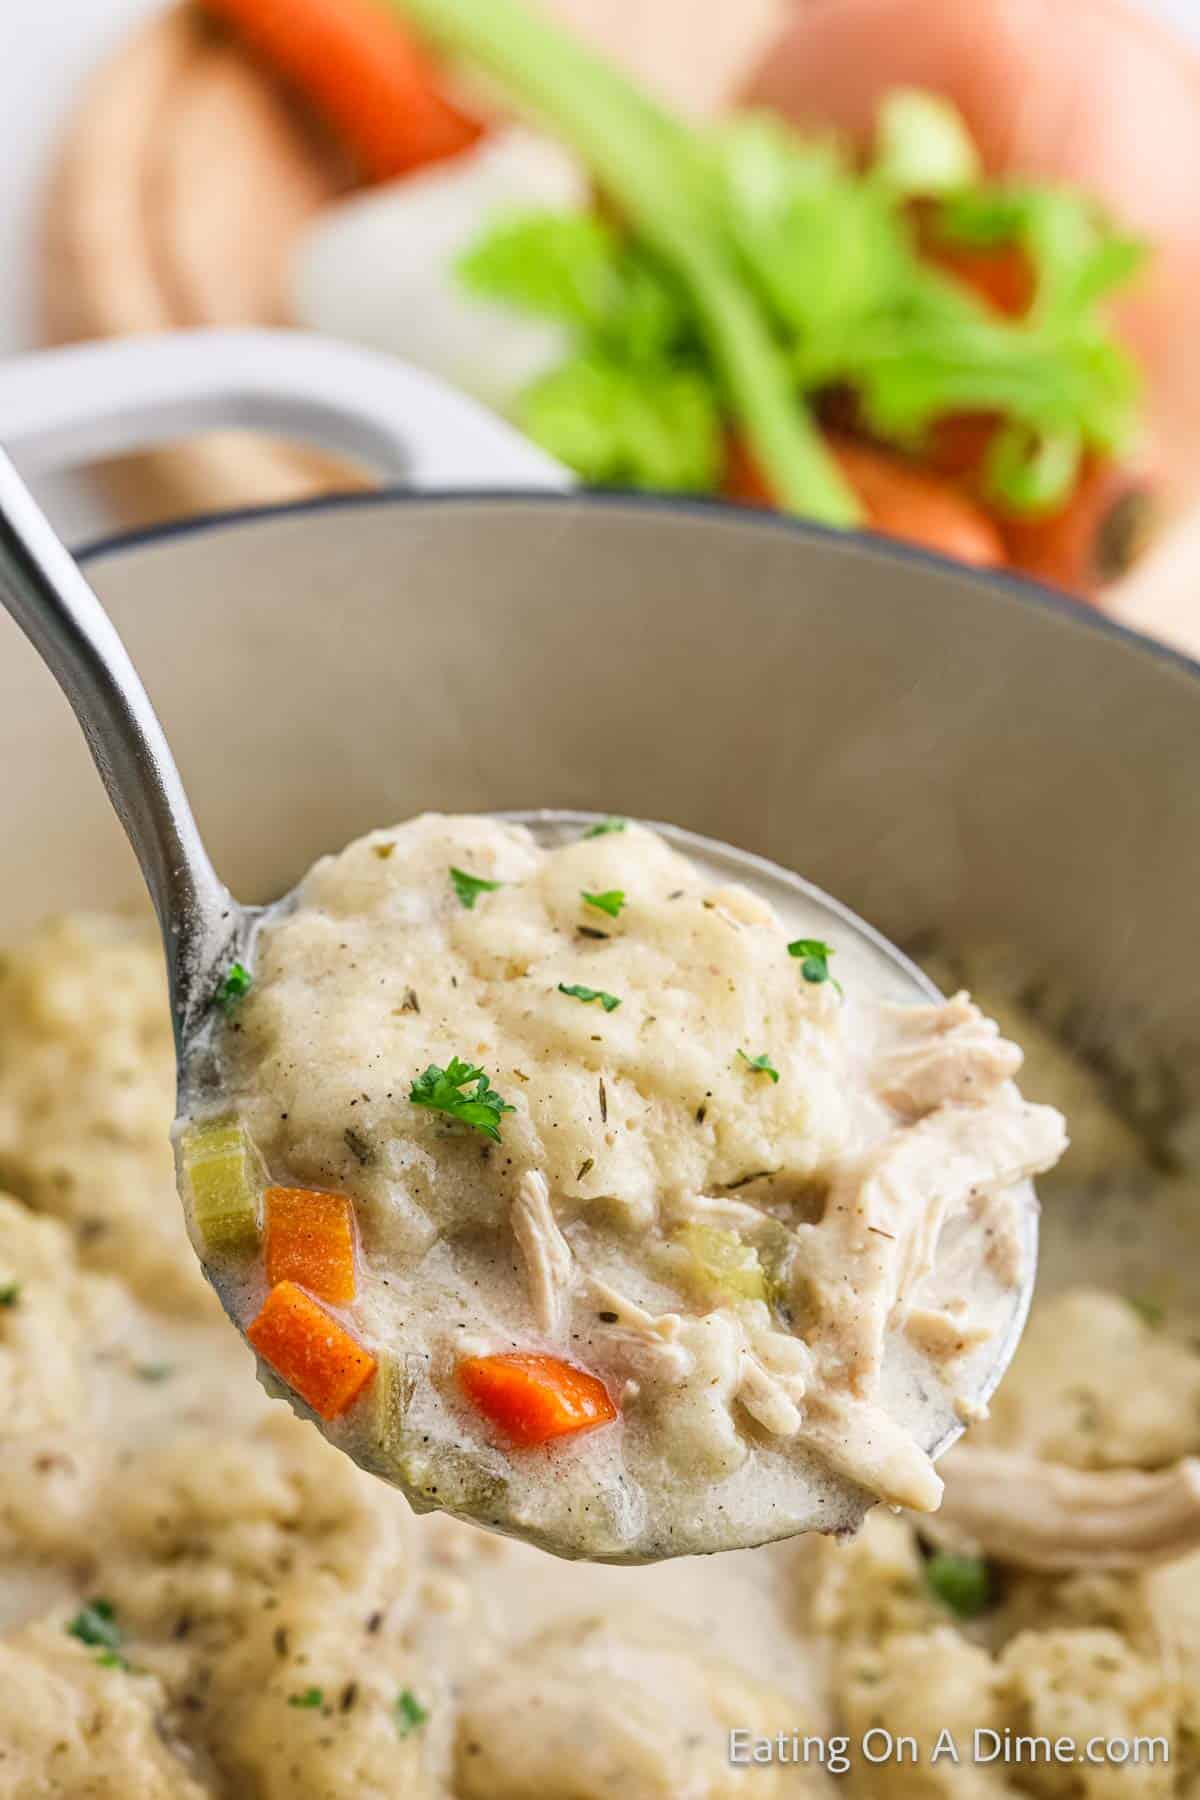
(899, 499)
(359, 70)
(1102, 531)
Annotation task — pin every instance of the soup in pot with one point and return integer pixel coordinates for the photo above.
(200, 1597)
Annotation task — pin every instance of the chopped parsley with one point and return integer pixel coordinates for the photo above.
(442, 1091)
(815, 958)
(963, 1584)
(605, 828)
(10, 1293)
(469, 887)
(236, 985)
(111, 1659)
(762, 1065)
(609, 1002)
(609, 902)
(1150, 1311)
(408, 1712)
(308, 1700)
(96, 1624)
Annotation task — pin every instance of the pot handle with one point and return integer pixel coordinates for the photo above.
(60, 408)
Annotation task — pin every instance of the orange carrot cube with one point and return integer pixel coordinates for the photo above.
(534, 1398)
(310, 1240)
(310, 1351)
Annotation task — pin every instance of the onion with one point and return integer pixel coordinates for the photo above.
(1095, 94)
(379, 269)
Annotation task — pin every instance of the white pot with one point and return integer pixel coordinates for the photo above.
(945, 750)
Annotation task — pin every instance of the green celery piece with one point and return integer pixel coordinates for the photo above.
(948, 354)
(721, 1265)
(658, 173)
(438, 1474)
(552, 265)
(575, 269)
(222, 1181)
(824, 247)
(389, 1397)
(620, 426)
(922, 145)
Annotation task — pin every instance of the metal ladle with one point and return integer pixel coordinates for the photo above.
(203, 927)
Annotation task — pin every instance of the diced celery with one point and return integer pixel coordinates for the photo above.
(388, 1399)
(721, 1265)
(223, 1185)
(435, 1473)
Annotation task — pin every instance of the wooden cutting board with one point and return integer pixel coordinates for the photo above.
(188, 175)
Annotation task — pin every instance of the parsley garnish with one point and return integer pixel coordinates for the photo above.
(1150, 1311)
(96, 1624)
(606, 827)
(441, 1091)
(762, 1065)
(961, 1583)
(10, 1294)
(408, 1712)
(815, 954)
(469, 887)
(609, 902)
(236, 985)
(309, 1700)
(609, 1002)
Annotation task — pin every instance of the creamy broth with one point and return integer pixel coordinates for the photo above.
(250, 1567)
(775, 1223)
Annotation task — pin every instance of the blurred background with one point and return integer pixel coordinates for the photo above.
(256, 161)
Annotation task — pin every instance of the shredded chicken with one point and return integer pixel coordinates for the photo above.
(885, 1220)
(765, 1398)
(934, 1054)
(774, 1372)
(942, 1333)
(650, 1340)
(548, 1260)
(1041, 1515)
(864, 1442)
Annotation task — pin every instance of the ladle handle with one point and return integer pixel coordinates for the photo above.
(44, 589)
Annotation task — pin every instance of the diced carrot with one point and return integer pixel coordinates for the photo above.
(310, 1351)
(360, 71)
(900, 499)
(534, 1398)
(310, 1240)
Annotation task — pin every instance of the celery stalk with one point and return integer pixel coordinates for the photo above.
(653, 167)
